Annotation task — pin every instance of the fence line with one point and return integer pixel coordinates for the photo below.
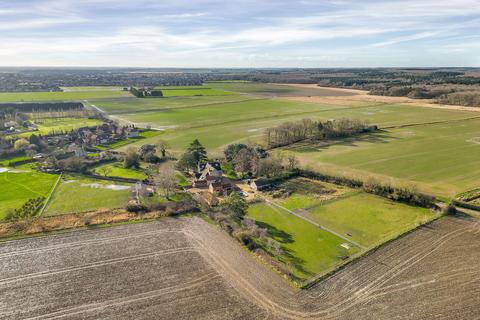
(50, 195)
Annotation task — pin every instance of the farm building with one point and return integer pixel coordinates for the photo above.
(260, 184)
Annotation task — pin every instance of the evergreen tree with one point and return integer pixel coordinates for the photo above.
(198, 151)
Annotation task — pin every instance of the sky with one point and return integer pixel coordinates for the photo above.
(240, 33)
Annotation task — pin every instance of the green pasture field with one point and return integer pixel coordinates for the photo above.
(60, 125)
(92, 88)
(441, 158)
(79, 194)
(60, 96)
(194, 92)
(20, 185)
(220, 124)
(269, 89)
(117, 170)
(132, 104)
(368, 219)
(309, 250)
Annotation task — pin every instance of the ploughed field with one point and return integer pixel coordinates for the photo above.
(141, 271)
(188, 269)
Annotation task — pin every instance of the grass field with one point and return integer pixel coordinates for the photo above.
(368, 219)
(60, 96)
(117, 170)
(80, 194)
(269, 89)
(441, 158)
(363, 220)
(132, 104)
(186, 92)
(20, 185)
(309, 250)
(90, 89)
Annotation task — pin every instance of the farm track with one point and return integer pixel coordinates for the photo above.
(170, 269)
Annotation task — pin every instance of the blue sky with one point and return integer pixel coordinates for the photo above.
(242, 33)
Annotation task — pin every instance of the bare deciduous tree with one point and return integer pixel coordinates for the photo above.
(166, 180)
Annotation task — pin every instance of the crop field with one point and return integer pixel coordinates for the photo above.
(440, 158)
(80, 194)
(19, 185)
(269, 89)
(60, 96)
(91, 88)
(133, 105)
(186, 268)
(187, 92)
(219, 124)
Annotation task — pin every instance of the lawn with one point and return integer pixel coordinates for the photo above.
(60, 96)
(368, 219)
(117, 170)
(309, 250)
(80, 194)
(20, 185)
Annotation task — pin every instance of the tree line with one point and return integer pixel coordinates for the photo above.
(306, 129)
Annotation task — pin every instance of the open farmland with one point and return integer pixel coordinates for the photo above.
(440, 158)
(319, 225)
(60, 96)
(132, 105)
(309, 250)
(18, 185)
(413, 137)
(80, 194)
(368, 219)
(269, 89)
(192, 91)
(188, 269)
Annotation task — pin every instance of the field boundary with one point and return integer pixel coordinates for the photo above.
(316, 224)
(428, 123)
(360, 255)
(50, 195)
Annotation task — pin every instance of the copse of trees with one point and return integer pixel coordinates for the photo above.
(142, 93)
(291, 132)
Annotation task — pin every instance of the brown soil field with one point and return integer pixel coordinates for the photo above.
(186, 268)
(353, 97)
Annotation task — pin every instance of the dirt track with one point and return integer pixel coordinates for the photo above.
(188, 269)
